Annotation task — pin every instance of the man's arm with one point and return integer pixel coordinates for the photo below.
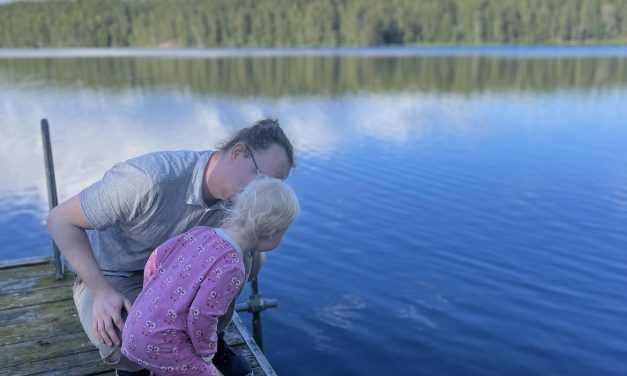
(67, 225)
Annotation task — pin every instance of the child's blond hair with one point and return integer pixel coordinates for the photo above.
(264, 204)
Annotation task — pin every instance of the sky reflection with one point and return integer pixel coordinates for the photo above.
(91, 131)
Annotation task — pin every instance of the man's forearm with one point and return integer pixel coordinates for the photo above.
(74, 245)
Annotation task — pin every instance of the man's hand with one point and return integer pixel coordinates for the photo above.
(107, 314)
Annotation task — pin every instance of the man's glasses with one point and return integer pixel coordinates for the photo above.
(254, 161)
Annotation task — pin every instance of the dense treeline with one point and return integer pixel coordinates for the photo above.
(260, 23)
(335, 76)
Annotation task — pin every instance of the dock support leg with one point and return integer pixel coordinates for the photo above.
(257, 333)
(52, 191)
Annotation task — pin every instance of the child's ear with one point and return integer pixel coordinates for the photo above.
(271, 233)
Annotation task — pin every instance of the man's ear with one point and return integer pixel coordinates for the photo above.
(237, 150)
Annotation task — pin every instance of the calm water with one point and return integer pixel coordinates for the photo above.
(464, 213)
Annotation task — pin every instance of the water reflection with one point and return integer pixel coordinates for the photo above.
(93, 130)
(326, 75)
(103, 110)
(481, 219)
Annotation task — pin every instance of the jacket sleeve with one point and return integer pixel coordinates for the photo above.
(212, 300)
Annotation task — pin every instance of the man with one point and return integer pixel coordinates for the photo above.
(108, 230)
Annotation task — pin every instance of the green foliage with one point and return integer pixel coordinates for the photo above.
(309, 23)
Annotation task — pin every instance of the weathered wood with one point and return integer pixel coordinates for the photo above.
(17, 271)
(30, 281)
(21, 262)
(85, 363)
(256, 351)
(45, 349)
(36, 296)
(38, 312)
(40, 333)
(258, 371)
(39, 330)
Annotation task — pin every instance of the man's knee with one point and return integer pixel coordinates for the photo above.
(113, 356)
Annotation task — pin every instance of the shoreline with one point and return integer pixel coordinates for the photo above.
(396, 51)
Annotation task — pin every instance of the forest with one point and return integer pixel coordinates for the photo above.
(309, 23)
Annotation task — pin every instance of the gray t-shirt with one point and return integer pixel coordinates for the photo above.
(143, 202)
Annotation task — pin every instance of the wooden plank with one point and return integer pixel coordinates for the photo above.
(252, 345)
(4, 264)
(81, 364)
(258, 371)
(35, 296)
(38, 312)
(36, 350)
(26, 271)
(37, 330)
(37, 321)
(247, 354)
(232, 336)
(64, 344)
(44, 279)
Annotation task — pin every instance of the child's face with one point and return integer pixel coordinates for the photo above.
(269, 243)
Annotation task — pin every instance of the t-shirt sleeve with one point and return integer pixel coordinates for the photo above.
(212, 300)
(123, 194)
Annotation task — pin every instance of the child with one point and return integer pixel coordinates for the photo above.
(190, 280)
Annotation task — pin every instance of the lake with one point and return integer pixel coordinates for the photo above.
(464, 210)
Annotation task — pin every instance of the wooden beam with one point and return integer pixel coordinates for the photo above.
(252, 345)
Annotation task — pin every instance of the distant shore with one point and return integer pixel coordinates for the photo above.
(310, 23)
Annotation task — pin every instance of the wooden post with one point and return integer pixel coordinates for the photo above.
(257, 333)
(255, 305)
(52, 192)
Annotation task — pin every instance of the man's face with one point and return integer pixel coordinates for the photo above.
(241, 170)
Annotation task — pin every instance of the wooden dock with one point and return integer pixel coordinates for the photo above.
(40, 333)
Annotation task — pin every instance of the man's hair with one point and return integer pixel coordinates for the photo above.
(260, 136)
(265, 204)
